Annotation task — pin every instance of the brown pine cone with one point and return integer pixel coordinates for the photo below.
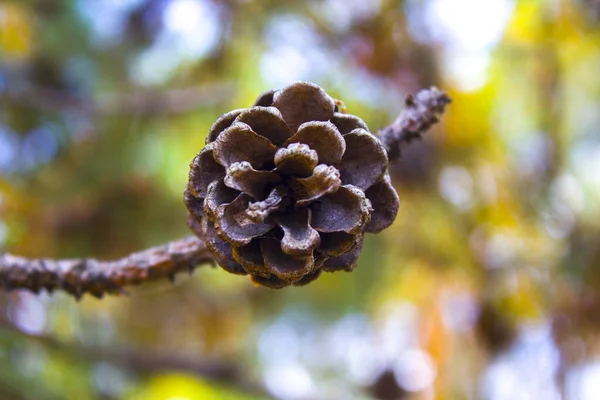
(286, 189)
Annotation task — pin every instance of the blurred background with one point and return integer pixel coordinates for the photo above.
(485, 287)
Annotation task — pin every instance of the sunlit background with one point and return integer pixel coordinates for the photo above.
(486, 286)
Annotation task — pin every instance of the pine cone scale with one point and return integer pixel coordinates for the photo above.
(346, 123)
(270, 281)
(241, 176)
(334, 244)
(204, 169)
(283, 266)
(385, 202)
(296, 159)
(324, 138)
(265, 99)
(234, 230)
(365, 161)
(195, 205)
(345, 262)
(303, 103)
(240, 143)
(266, 122)
(217, 194)
(257, 212)
(251, 259)
(221, 124)
(324, 180)
(221, 249)
(347, 210)
(299, 237)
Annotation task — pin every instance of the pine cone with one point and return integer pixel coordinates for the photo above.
(286, 188)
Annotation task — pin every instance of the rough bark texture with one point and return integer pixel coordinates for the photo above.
(88, 275)
(421, 113)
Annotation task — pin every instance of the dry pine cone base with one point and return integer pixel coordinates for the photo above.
(286, 189)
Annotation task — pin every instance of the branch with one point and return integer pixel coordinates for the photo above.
(88, 275)
(144, 361)
(175, 101)
(420, 114)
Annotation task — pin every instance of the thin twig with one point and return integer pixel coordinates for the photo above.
(421, 113)
(88, 275)
(174, 101)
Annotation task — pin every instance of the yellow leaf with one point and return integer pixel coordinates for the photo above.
(16, 32)
(183, 387)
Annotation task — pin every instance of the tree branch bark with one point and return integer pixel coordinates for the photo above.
(174, 101)
(88, 275)
(421, 112)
